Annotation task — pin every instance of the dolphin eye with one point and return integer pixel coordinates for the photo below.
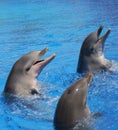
(91, 49)
(27, 69)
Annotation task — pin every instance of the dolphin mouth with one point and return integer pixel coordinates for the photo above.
(44, 62)
(38, 62)
(104, 37)
(38, 65)
(99, 30)
(101, 40)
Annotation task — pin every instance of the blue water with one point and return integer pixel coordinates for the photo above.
(60, 25)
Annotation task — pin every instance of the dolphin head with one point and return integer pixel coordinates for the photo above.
(72, 105)
(30, 64)
(78, 91)
(22, 79)
(93, 44)
(91, 57)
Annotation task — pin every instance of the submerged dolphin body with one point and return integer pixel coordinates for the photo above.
(91, 57)
(22, 80)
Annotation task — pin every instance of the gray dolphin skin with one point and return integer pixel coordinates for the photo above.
(91, 57)
(72, 106)
(22, 80)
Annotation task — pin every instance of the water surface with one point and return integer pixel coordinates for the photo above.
(60, 25)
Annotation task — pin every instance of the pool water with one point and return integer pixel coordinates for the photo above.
(60, 25)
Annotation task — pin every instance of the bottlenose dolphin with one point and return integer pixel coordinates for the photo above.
(91, 57)
(22, 80)
(72, 106)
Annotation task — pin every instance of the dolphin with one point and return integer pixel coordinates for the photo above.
(72, 106)
(91, 57)
(22, 80)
